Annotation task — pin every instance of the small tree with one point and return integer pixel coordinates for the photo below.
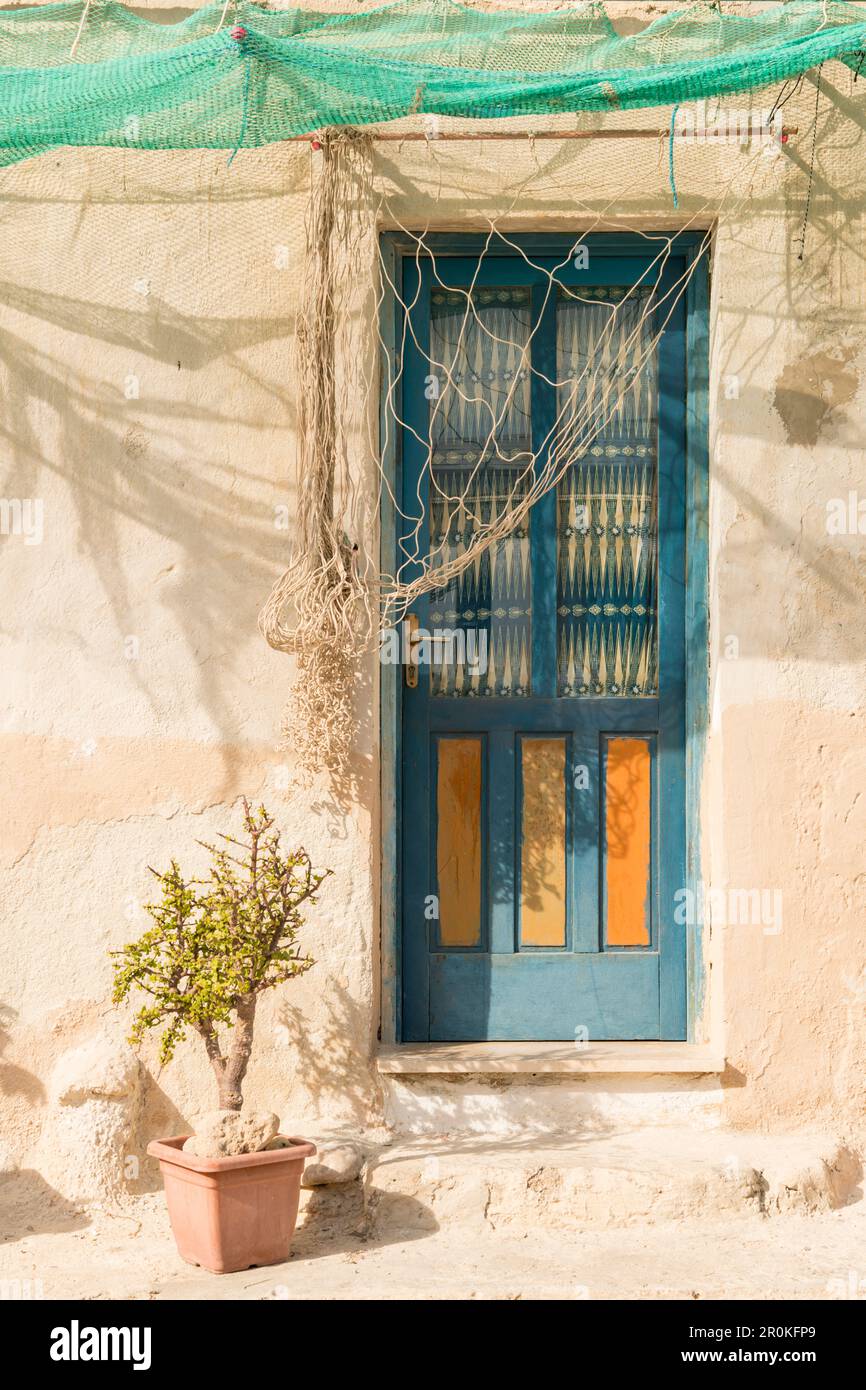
(219, 943)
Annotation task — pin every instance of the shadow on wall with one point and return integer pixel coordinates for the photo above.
(178, 463)
(113, 458)
(333, 1058)
(15, 1081)
(159, 1119)
(816, 592)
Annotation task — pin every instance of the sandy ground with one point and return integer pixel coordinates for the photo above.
(128, 1253)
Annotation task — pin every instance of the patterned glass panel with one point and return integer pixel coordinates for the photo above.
(480, 431)
(607, 642)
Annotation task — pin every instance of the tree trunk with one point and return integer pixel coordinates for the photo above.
(230, 1097)
(230, 1081)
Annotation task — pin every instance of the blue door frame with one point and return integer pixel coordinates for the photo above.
(527, 1005)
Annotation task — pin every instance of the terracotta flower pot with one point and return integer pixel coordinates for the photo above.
(232, 1213)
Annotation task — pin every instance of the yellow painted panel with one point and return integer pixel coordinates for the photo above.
(542, 876)
(627, 857)
(458, 841)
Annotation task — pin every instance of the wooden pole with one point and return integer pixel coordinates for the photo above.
(623, 133)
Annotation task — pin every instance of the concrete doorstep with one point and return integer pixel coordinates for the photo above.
(597, 1182)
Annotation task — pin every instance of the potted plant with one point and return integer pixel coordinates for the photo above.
(216, 945)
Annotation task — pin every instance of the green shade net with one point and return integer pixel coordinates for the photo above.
(140, 84)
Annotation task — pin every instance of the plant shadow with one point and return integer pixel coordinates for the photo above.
(350, 1218)
(14, 1080)
(29, 1206)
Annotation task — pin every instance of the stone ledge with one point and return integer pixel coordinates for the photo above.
(597, 1179)
(550, 1058)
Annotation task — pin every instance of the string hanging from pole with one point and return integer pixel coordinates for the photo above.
(80, 30)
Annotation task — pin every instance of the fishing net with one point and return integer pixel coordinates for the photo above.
(319, 610)
(481, 469)
(239, 76)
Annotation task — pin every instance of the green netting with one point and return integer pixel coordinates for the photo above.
(195, 84)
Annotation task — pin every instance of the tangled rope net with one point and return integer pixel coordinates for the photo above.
(319, 609)
(587, 401)
(332, 598)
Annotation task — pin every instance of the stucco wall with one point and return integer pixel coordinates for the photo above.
(140, 702)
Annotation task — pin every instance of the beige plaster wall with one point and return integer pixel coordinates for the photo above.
(140, 702)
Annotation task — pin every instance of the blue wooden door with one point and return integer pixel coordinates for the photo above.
(543, 727)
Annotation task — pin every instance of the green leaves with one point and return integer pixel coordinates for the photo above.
(220, 941)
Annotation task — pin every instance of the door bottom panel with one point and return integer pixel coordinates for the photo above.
(544, 998)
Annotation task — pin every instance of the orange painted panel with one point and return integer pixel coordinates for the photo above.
(627, 841)
(458, 841)
(542, 875)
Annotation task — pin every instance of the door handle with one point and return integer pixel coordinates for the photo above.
(410, 663)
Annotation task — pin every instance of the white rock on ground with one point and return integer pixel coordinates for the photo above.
(822, 1182)
(220, 1133)
(334, 1163)
(94, 1102)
